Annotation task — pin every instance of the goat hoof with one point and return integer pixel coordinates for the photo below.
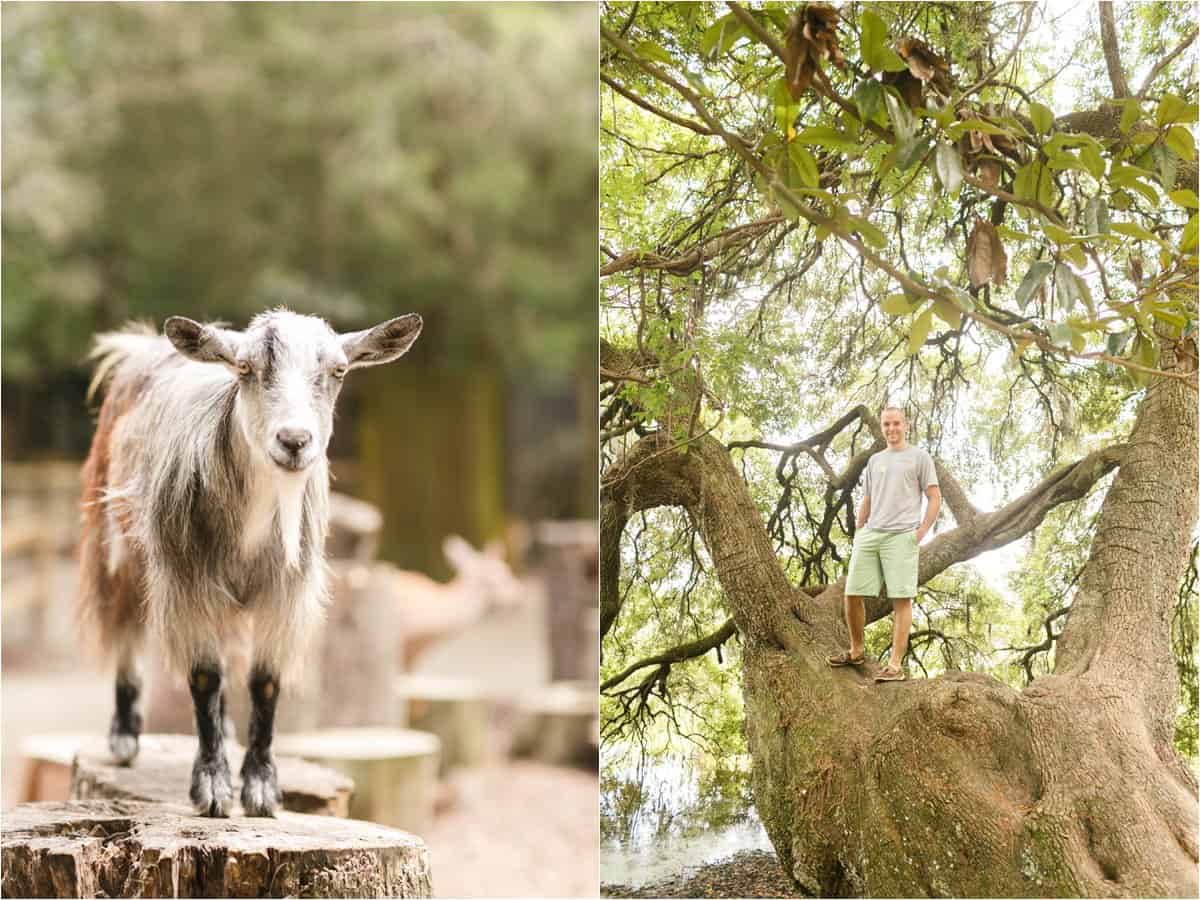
(212, 790)
(123, 746)
(260, 789)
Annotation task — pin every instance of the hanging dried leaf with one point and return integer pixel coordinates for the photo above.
(989, 172)
(986, 259)
(925, 65)
(811, 38)
(910, 88)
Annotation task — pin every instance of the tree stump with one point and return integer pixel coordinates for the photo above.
(116, 848)
(570, 555)
(556, 724)
(457, 710)
(394, 770)
(162, 774)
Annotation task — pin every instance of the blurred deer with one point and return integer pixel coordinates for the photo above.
(430, 610)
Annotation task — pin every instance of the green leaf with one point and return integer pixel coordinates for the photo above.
(1042, 116)
(1092, 161)
(1060, 334)
(869, 232)
(911, 151)
(1187, 243)
(1066, 287)
(873, 47)
(1095, 216)
(1129, 115)
(1180, 140)
(651, 50)
(1170, 109)
(1185, 198)
(697, 83)
(896, 305)
(804, 164)
(1056, 234)
(949, 168)
(903, 122)
(1032, 281)
(868, 97)
(825, 136)
(716, 37)
(1118, 341)
(978, 125)
(948, 313)
(1133, 230)
(920, 331)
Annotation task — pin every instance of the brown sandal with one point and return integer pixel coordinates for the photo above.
(845, 659)
(890, 673)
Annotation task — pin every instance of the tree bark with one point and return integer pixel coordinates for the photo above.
(112, 848)
(959, 785)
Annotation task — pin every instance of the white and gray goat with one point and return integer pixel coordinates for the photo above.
(205, 508)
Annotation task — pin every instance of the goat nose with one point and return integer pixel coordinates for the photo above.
(294, 439)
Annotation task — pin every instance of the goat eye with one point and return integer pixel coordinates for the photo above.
(243, 368)
(339, 372)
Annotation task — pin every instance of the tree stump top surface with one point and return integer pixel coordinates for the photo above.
(562, 698)
(126, 848)
(162, 773)
(437, 687)
(358, 743)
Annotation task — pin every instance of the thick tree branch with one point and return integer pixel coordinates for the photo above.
(1112, 50)
(954, 495)
(681, 653)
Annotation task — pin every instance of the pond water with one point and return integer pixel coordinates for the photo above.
(668, 816)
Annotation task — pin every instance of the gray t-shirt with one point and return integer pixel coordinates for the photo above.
(896, 480)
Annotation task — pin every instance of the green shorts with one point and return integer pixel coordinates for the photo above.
(883, 557)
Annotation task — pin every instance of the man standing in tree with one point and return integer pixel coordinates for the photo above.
(890, 529)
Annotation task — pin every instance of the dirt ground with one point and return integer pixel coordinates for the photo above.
(508, 828)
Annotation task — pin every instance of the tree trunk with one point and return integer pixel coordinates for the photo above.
(959, 785)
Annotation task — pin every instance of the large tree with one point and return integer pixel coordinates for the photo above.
(806, 206)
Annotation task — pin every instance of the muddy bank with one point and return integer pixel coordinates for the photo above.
(751, 873)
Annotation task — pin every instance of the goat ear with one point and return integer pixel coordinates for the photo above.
(458, 551)
(203, 343)
(383, 343)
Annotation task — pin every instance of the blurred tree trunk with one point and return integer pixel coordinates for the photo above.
(431, 444)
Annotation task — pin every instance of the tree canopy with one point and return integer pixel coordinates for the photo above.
(349, 160)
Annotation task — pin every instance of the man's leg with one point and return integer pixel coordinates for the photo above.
(856, 620)
(901, 624)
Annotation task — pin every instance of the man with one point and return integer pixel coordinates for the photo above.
(890, 529)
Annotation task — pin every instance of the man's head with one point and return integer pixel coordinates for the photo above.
(894, 424)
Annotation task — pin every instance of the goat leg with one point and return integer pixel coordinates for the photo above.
(127, 720)
(260, 784)
(212, 789)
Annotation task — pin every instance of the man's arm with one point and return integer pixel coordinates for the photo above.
(864, 510)
(934, 493)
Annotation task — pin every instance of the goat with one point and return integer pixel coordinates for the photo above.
(205, 506)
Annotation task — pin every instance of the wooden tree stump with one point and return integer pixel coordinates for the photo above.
(572, 570)
(457, 710)
(162, 773)
(556, 723)
(115, 848)
(394, 770)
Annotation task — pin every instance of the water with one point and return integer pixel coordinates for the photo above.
(670, 816)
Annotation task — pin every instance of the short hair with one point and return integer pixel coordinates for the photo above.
(899, 409)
